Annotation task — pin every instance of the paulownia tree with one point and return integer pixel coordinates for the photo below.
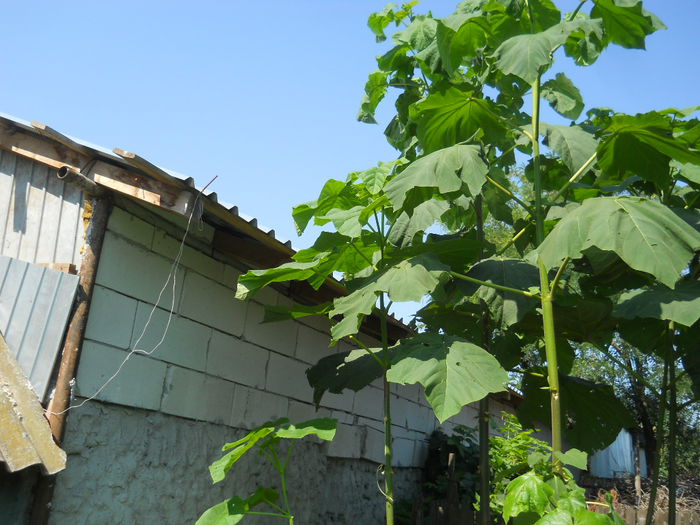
(607, 246)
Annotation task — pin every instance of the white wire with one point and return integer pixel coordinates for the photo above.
(133, 350)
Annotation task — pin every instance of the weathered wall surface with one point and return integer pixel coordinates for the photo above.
(143, 446)
(137, 466)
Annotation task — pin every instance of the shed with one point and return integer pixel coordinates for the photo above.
(161, 364)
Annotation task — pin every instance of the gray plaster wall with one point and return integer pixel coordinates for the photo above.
(138, 466)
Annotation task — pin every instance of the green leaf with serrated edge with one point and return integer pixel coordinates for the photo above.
(595, 415)
(219, 468)
(680, 304)
(588, 517)
(228, 512)
(375, 177)
(575, 458)
(452, 371)
(528, 55)
(419, 33)
(506, 308)
(573, 145)
(423, 216)
(452, 115)
(346, 222)
(626, 22)
(375, 89)
(585, 44)
(460, 36)
(446, 170)
(323, 428)
(380, 20)
(254, 280)
(408, 280)
(556, 517)
(690, 172)
(574, 500)
(455, 251)
(526, 493)
(352, 370)
(563, 96)
(643, 233)
(275, 313)
(335, 252)
(334, 194)
(262, 495)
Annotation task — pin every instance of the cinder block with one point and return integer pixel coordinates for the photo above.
(134, 271)
(312, 345)
(212, 304)
(372, 423)
(195, 395)
(139, 382)
(230, 277)
(468, 416)
(373, 448)
(111, 317)
(403, 452)
(300, 412)
(185, 341)
(421, 419)
(369, 402)
(343, 417)
(342, 401)
(348, 442)
(252, 408)
(317, 322)
(280, 336)
(131, 227)
(420, 452)
(410, 392)
(199, 261)
(287, 377)
(400, 409)
(236, 360)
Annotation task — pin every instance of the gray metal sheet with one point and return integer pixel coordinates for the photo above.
(40, 215)
(35, 303)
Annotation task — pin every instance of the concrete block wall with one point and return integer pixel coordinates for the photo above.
(212, 359)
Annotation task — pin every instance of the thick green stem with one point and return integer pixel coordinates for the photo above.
(550, 343)
(494, 286)
(388, 449)
(659, 445)
(672, 430)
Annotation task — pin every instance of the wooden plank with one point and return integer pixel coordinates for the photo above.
(59, 137)
(129, 189)
(144, 165)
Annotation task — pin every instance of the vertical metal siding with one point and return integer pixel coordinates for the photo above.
(40, 215)
(35, 303)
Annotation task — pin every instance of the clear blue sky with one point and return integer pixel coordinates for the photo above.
(262, 94)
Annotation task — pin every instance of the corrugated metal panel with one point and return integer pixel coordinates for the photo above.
(34, 306)
(618, 459)
(26, 437)
(40, 215)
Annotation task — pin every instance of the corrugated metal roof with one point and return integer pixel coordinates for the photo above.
(40, 215)
(26, 437)
(34, 306)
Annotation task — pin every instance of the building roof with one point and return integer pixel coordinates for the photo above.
(26, 436)
(131, 175)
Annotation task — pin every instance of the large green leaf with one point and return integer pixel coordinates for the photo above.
(375, 89)
(680, 304)
(352, 370)
(646, 235)
(228, 512)
(323, 428)
(419, 34)
(506, 308)
(452, 371)
(453, 115)
(642, 144)
(254, 280)
(563, 96)
(406, 226)
(528, 55)
(334, 194)
(626, 22)
(460, 36)
(408, 280)
(556, 517)
(445, 170)
(219, 468)
(526, 493)
(573, 145)
(594, 414)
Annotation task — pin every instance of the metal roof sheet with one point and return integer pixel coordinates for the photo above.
(26, 436)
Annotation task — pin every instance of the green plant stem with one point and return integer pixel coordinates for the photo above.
(510, 194)
(554, 196)
(560, 272)
(673, 429)
(388, 448)
(494, 286)
(659, 445)
(484, 466)
(550, 343)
